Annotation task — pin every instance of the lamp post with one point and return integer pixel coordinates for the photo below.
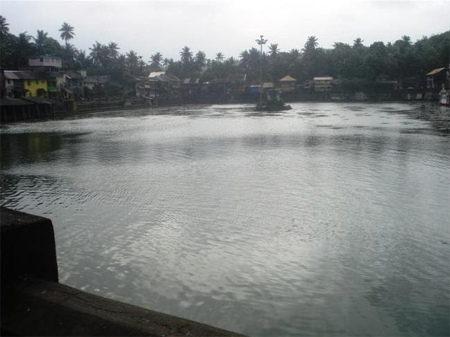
(261, 42)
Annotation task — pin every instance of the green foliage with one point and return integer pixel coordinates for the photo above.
(67, 32)
(357, 64)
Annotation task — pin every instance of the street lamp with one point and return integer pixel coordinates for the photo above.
(261, 42)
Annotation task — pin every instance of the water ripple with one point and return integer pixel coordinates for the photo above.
(329, 219)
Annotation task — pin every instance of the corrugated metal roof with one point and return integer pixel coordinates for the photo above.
(73, 75)
(156, 74)
(191, 81)
(323, 78)
(435, 71)
(172, 78)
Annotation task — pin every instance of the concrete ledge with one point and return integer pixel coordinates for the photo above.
(33, 303)
(27, 246)
(42, 308)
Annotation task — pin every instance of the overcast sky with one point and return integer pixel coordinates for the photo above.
(227, 26)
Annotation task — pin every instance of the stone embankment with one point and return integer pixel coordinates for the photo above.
(33, 303)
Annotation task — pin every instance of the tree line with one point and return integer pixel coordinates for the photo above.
(398, 60)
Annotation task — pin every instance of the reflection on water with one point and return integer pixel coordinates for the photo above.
(328, 219)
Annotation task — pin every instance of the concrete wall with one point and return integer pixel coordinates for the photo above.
(33, 303)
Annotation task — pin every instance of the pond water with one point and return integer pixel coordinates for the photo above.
(325, 220)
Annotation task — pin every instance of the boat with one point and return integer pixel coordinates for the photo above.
(273, 102)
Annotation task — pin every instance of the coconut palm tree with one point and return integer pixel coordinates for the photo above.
(96, 53)
(39, 41)
(69, 54)
(294, 54)
(219, 57)
(66, 32)
(113, 50)
(310, 44)
(200, 60)
(22, 50)
(358, 43)
(406, 39)
(273, 50)
(167, 62)
(156, 61)
(186, 55)
(82, 62)
(4, 29)
(132, 62)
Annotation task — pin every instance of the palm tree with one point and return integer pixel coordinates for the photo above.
(22, 51)
(120, 62)
(167, 62)
(4, 29)
(200, 59)
(96, 53)
(82, 61)
(113, 50)
(294, 53)
(132, 62)
(69, 54)
(39, 41)
(186, 55)
(310, 44)
(219, 57)
(156, 61)
(66, 32)
(357, 43)
(406, 40)
(273, 49)
(243, 55)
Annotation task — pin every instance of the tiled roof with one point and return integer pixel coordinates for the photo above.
(288, 79)
(26, 75)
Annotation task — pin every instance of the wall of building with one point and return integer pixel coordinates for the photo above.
(33, 86)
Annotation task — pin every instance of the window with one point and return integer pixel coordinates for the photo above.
(41, 59)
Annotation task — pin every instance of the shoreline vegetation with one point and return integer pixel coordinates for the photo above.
(356, 68)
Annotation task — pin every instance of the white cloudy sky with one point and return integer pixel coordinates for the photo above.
(228, 26)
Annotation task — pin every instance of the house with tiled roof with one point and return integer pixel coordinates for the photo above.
(30, 84)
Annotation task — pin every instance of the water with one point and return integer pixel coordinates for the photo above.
(325, 220)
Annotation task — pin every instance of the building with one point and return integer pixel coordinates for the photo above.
(163, 84)
(323, 84)
(92, 82)
(436, 78)
(287, 84)
(45, 63)
(232, 84)
(190, 86)
(436, 81)
(30, 84)
(73, 84)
